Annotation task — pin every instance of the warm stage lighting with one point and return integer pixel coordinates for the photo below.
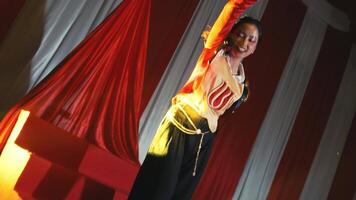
(13, 160)
(160, 143)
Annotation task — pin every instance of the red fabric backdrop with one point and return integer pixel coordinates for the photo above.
(91, 92)
(96, 92)
(168, 21)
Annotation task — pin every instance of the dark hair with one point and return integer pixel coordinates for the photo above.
(249, 20)
(229, 44)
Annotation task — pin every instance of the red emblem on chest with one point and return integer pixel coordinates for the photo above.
(220, 96)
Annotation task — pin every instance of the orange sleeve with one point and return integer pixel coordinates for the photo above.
(227, 18)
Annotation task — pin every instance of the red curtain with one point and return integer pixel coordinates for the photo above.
(168, 22)
(8, 12)
(95, 93)
(165, 33)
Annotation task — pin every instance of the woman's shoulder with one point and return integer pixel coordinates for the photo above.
(219, 56)
(219, 60)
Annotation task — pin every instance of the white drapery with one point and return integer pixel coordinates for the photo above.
(44, 32)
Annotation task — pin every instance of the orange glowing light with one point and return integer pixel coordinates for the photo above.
(13, 160)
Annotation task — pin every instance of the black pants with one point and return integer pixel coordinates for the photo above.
(170, 176)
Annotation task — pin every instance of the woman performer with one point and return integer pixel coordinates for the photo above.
(181, 146)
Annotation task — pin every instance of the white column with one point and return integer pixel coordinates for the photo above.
(330, 149)
(277, 125)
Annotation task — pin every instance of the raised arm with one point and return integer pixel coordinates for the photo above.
(227, 18)
(221, 28)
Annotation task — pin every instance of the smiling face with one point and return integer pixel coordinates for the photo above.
(244, 40)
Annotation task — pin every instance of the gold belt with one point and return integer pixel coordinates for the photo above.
(181, 127)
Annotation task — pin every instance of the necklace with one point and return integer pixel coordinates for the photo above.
(230, 66)
(240, 74)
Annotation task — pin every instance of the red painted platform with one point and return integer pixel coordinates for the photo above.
(63, 166)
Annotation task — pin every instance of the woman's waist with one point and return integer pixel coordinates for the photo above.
(188, 117)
